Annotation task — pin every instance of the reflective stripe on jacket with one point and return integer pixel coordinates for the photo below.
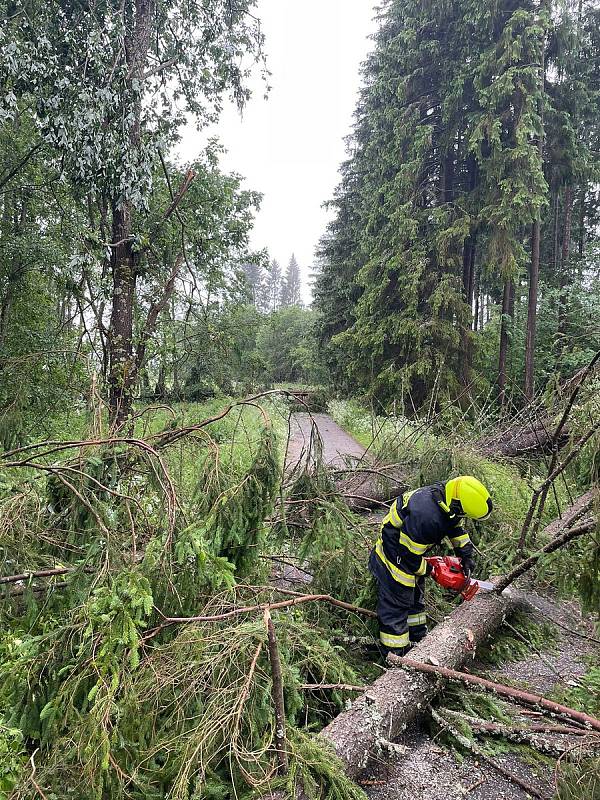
(415, 523)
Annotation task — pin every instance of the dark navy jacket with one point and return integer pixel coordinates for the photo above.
(416, 522)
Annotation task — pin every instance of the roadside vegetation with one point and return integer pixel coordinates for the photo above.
(183, 609)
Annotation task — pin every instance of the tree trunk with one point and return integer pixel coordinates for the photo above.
(534, 276)
(534, 267)
(122, 364)
(481, 310)
(504, 336)
(564, 264)
(522, 440)
(398, 697)
(555, 206)
(468, 284)
(476, 292)
(466, 348)
(122, 367)
(581, 236)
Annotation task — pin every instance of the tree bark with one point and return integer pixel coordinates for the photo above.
(507, 308)
(398, 697)
(120, 333)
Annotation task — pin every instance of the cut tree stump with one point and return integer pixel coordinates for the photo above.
(396, 698)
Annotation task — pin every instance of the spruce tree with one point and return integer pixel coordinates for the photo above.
(253, 274)
(291, 285)
(447, 174)
(273, 286)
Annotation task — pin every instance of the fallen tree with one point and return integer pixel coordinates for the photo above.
(523, 440)
(369, 487)
(398, 697)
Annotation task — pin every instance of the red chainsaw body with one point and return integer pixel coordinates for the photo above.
(448, 572)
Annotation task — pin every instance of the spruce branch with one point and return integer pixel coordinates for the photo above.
(477, 751)
(555, 544)
(277, 695)
(517, 695)
(262, 607)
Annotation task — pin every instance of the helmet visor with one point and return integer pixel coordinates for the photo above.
(490, 508)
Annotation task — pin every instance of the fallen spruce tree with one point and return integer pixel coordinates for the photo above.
(398, 697)
(151, 670)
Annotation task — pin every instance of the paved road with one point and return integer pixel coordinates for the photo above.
(339, 448)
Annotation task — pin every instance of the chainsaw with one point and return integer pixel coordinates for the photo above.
(448, 572)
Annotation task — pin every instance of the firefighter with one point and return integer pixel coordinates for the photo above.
(417, 521)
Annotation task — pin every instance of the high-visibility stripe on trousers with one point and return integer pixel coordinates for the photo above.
(400, 609)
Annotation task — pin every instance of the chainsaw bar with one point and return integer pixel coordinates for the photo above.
(488, 586)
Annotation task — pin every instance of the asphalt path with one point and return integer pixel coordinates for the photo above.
(339, 448)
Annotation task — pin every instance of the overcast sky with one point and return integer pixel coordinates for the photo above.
(290, 146)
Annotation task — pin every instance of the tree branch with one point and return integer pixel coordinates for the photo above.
(20, 164)
(296, 601)
(555, 544)
(518, 695)
(159, 68)
(155, 310)
(469, 745)
(277, 695)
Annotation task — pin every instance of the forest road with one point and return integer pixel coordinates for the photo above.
(339, 448)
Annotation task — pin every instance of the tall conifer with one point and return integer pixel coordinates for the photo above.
(291, 285)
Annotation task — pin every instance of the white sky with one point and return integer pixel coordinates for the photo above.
(290, 146)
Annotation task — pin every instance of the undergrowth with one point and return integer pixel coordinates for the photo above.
(106, 683)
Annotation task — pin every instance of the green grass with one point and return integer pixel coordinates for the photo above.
(431, 458)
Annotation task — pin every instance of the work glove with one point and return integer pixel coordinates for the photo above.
(468, 565)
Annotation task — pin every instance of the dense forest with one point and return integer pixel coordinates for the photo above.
(196, 458)
(463, 253)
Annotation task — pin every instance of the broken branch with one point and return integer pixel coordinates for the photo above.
(277, 694)
(540, 737)
(517, 695)
(234, 612)
(555, 544)
(466, 743)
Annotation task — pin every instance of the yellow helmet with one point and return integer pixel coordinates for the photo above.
(468, 497)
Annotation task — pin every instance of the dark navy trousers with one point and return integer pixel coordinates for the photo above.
(400, 609)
